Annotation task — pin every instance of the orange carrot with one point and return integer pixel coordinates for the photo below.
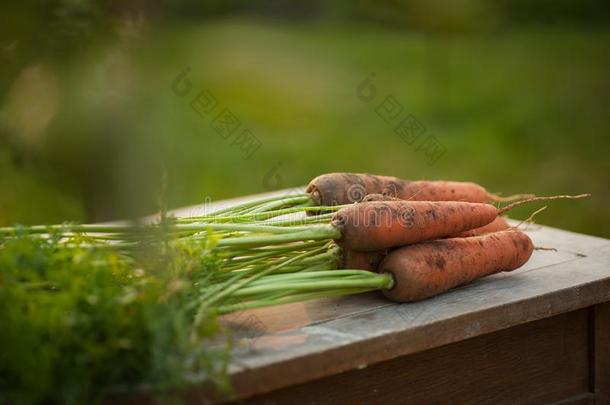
(498, 224)
(429, 268)
(380, 225)
(377, 225)
(353, 259)
(346, 188)
(379, 197)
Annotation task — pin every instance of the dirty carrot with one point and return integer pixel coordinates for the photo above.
(429, 268)
(379, 225)
(354, 259)
(498, 224)
(376, 225)
(346, 188)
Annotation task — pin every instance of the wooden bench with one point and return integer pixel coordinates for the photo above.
(539, 335)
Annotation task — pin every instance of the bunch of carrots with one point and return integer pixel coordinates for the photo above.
(411, 240)
(347, 234)
(420, 238)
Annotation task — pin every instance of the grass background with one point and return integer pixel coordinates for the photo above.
(523, 108)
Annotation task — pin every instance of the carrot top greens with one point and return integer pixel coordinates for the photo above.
(92, 310)
(78, 323)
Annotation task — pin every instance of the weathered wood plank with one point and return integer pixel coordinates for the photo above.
(284, 318)
(539, 362)
(602, 353)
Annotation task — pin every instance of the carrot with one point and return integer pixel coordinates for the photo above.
(345, 188)
(377, 225)
(498, 224)
(353, 259)
(379, 197)
(427, 269)
(380, 225)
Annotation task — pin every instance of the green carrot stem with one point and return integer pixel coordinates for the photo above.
(110, 230)
(309, 276)
(316, 256)
(237, 256)
(274, 205)
(247, 204)
(299, 221)
(285, 211)
(327, 260)
(380, 282)
(80, 228)
(198, 227)
(322, 266)
(272, 214)
(222, 289)
(315, 232)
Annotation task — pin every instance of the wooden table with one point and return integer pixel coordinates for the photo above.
(538, 335)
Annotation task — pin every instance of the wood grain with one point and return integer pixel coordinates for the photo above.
(538, 362)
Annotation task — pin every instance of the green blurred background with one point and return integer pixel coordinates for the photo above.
(516, 93)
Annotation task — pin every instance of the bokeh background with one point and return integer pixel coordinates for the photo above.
(96, 120)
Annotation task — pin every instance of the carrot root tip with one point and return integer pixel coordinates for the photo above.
(510, 198)
(549, 198)
(545, 248)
